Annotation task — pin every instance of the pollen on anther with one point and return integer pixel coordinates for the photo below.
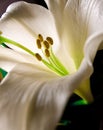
(40, 37)
(47, 52)
(50, 40)
(46, 44)
(38, 42)
(38, 57)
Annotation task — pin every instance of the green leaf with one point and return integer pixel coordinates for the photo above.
(3, 72)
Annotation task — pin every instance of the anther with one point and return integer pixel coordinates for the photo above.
(38, 57)
(40, 37)
(46, 44)
(38, 42)
(50, 40)
(47, 52)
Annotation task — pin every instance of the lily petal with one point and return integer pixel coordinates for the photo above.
(53, 6)
(81, 19)
(93, 44)
(23, 22)
(30, 96)
(94, 15)
(33, 99)
(16, 111)
(9, 58)
(75, 30)
(6, 55)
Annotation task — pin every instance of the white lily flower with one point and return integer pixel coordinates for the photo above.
(41, 76)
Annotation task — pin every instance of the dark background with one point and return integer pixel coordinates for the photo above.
(79, 117)
(4, 3)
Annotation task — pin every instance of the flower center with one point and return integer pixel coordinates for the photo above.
(45, 46)
(51, 60)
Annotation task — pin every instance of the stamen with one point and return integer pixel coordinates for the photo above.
(46, 44)
(38, 42)
(9, 41)
(38, 56)
(50, 40)
(55, 61)
(47, 52)
(51, 61)
(40, 37)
